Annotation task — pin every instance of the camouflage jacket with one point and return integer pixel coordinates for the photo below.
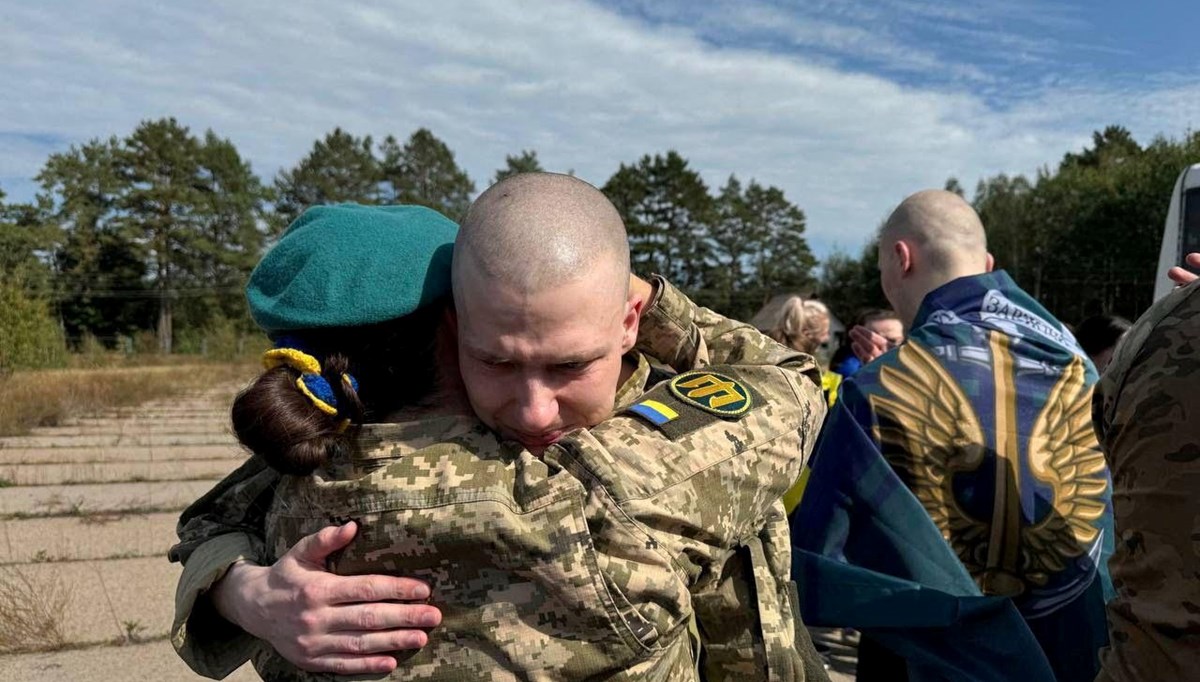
(1147, 415)
(591, 561)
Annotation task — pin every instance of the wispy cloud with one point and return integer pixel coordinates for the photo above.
(588, 86)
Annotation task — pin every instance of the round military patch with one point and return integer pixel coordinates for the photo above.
(712, 392)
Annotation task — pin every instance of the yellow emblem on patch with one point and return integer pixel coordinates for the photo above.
(712, 392)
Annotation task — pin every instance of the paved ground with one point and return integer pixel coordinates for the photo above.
(87, 513)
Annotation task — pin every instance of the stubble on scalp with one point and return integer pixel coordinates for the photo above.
(941, 224)
(535, 231)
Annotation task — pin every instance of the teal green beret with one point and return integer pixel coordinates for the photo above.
(346, 265)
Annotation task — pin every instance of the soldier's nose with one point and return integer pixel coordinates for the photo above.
(537, 410)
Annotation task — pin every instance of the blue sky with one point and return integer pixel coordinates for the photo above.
(848, 106)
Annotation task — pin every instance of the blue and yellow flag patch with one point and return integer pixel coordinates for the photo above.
(694, 400)
(712, 392)
(654, 412)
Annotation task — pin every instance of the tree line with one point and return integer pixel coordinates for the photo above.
(154, 234)
(1082, 237)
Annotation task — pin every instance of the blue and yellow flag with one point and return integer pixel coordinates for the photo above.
(964, 464)
(866, 555)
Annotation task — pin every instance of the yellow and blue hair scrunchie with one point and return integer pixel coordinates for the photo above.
(314, 386)
(292, 357)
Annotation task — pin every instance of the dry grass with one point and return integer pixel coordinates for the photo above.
(46, 397)
(32, 611)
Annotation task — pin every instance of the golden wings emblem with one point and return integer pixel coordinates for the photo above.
(931, 433)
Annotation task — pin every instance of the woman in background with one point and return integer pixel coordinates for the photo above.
(800, 324)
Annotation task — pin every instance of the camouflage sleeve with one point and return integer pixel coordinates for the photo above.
(219, 529)
(1146, 410)
(699, 478)
(685, 336)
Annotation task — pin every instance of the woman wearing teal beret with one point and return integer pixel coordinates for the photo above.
(348, 291)
(538, 567)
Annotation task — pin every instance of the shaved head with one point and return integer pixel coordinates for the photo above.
(942, 225)
(544, 311)
(533, 231)
(932, 238)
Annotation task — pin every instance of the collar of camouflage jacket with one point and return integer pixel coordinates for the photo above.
(633, 387)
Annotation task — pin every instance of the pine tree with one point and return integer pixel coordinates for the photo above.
(424, 172)
(340, 168)
(164, 207)
(233, 231)
(527, 162)
(195, 206)
(667, 211)
(99, 267)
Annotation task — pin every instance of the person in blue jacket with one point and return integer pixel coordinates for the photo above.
(981, 420)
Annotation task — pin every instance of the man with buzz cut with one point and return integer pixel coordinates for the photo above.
(553, 339)
(983, 413)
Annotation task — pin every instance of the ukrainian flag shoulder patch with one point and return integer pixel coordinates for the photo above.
(654, 412)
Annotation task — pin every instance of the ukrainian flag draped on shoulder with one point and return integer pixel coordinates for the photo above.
(964, 464)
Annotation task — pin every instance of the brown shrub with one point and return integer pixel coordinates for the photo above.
(32, 611)
(46, 397)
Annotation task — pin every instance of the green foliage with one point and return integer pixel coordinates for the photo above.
(732, 251)
(340, 167)
(850, 285)
(345, 168)
(161, 225)
(1085, 239)
(151, 237)
(145, 342)
(90, 352)
(759, 248)
(223, 339)
(667, 211)
(953, 185)
(1082, 238)
(527, 162)
(26, 244)
(100, 269)
(424, 172)
(30, 337)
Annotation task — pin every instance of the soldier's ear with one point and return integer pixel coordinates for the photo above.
(629, 323)
(904, 256)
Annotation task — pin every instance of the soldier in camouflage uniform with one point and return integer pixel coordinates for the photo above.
(677, 544)
(581, 564)
(1147, 416)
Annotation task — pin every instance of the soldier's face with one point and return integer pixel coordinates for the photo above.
(537, 366)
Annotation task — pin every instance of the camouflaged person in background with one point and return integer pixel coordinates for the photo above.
(1147, 416)
(592, 561)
